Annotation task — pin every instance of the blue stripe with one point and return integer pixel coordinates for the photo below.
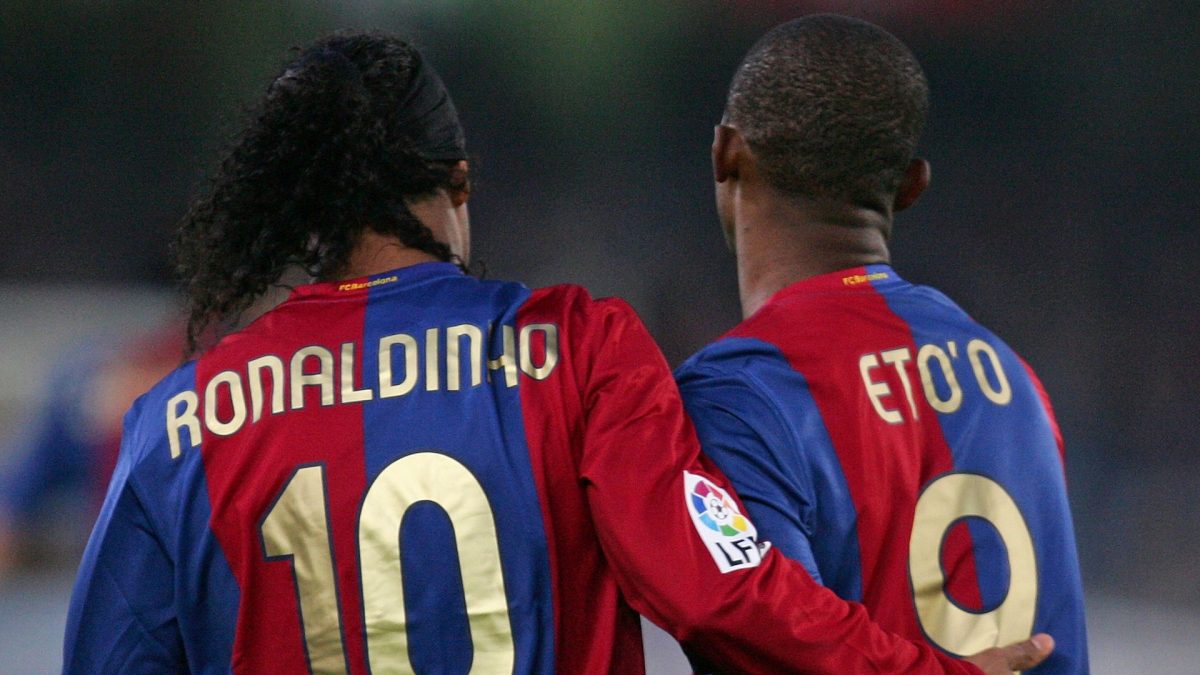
(480, 427)
(1012, 444)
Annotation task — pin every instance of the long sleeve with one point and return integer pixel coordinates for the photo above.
(680, 545)
(122, 616)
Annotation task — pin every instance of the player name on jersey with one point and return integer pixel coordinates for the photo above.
(403, 361)
(945, 396)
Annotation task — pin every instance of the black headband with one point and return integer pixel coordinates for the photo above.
(428, 116)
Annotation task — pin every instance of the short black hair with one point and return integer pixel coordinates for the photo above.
(831, 106)
(326, 155)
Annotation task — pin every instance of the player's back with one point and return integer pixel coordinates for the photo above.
(277, 469)
(904, 453)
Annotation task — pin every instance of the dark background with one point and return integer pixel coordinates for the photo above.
(1063, 138)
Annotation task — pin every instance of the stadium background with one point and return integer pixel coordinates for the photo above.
(1063, 213)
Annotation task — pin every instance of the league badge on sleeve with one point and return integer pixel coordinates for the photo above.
(730, 536)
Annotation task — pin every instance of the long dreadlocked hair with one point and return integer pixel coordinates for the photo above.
(321, 161)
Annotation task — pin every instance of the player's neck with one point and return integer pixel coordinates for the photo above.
(377, 253)
(443, 213)
(781, 243)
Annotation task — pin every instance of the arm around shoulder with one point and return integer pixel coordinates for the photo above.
(681, 547)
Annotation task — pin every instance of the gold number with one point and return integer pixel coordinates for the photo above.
(297, 525)
(945, 501)
(431, 476)
(423, 476)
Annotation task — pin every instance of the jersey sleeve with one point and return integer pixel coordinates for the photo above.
(774, 492)
(647, 486)
(121, 617)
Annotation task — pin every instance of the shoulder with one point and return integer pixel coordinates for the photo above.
(733, 358)
(602, 338)
(145, 431)
(934, 309)
(570, 300)
(580, 316)
(743, 377)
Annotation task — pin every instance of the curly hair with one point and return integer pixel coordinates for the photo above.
(832, 106)
(324, 157)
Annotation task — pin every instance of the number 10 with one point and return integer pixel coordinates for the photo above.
(297, 526)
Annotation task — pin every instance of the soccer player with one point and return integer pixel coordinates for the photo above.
(899, 450)
(402, 468)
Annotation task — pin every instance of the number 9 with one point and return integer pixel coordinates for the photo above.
(944, 502)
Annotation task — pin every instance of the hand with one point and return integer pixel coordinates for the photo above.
(1019, 656)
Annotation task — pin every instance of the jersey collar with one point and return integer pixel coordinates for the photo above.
(401, 277)
(868, 277)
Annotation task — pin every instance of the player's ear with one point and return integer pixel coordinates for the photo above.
(916, 179)
(460, 184)
(727, 147)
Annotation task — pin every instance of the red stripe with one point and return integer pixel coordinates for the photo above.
(958, 559)
(595, 631)
(248, 470)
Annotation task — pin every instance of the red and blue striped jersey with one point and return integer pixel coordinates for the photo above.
(904, 454)
(421, 471)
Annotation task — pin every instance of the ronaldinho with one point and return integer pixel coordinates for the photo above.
(234, 397)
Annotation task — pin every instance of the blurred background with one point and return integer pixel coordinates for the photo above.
(1063, 214)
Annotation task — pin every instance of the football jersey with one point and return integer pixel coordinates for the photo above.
(420, 471)
(904, 454)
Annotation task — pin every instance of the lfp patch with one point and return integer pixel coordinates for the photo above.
(730, 536)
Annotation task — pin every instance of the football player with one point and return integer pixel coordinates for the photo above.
(898, 449)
